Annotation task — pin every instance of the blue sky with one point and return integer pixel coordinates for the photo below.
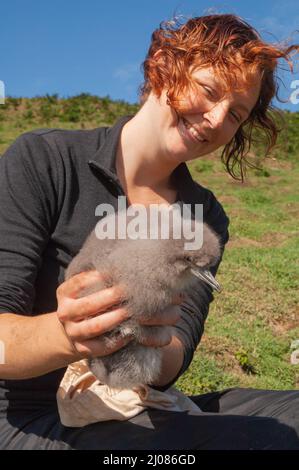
(97, 46)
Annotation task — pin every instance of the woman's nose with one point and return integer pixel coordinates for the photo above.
(216, 115)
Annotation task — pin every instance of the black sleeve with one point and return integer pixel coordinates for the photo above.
(194, 310)
(27, 211)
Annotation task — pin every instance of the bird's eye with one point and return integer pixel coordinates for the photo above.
(188, 258)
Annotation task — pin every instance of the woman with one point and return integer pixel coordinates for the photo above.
(204, 81)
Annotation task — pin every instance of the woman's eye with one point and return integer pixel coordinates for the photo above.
(210, 92)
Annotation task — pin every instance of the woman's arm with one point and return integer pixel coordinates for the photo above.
(194, 309)
(172, 361)
(37, 345)
(34, 346)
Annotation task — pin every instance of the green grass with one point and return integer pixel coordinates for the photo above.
(253, 321)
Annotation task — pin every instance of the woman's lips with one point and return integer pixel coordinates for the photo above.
(191, 135)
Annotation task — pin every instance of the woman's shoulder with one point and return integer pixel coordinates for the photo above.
(61, 140)
(52, 151)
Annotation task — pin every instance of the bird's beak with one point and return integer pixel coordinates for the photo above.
(206, 276)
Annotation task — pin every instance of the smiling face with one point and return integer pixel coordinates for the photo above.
(209, 116)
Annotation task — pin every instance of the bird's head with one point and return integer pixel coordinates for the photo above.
(197, 262)
(176, 258)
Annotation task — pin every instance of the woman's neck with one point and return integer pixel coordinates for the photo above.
(140, 162)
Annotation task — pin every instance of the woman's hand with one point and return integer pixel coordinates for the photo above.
(86, 319)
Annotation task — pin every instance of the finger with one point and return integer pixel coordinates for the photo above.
(97, 326)
(169, 316)
(76, 283)
(99, 302)
(100, 347)
(91, 305)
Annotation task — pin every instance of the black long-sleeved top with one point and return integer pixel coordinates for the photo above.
(51, 181)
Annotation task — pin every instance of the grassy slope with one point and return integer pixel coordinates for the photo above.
(253, 321)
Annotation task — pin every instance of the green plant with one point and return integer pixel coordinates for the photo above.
(246, 361)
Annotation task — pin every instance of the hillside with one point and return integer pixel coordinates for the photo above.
(83, 111)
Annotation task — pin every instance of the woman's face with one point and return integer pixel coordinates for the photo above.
(210, 119)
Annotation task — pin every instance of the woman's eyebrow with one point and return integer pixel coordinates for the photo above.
(206, 82)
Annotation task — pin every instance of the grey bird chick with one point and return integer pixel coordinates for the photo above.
(152, 272)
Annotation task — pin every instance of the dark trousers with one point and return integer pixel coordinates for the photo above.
(232, 419)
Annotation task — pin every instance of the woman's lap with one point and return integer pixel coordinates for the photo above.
(231, 419)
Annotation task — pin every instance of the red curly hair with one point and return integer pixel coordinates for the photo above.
(229, 45)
